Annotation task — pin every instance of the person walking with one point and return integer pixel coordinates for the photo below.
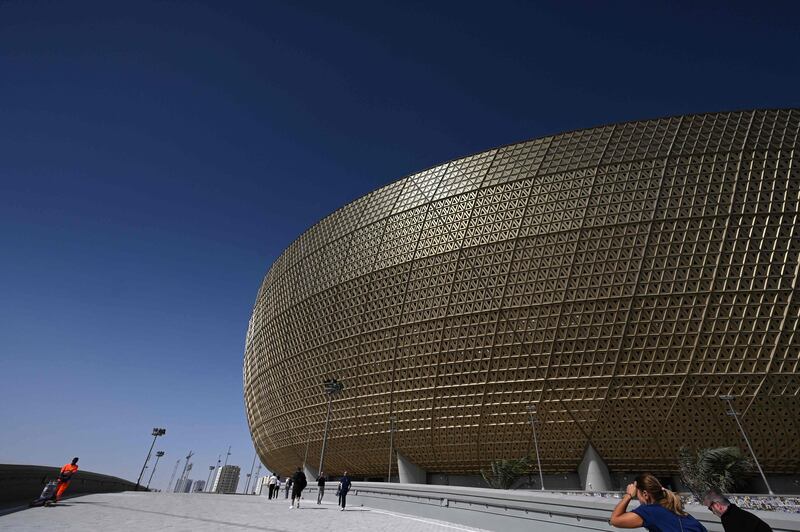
(733, 518)
(320, 487)
(288, 486)
(298, 485)
(271, 485)
(65, 476)
(344, 487)
(660, 510)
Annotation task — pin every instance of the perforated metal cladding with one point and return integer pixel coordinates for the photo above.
(620, 278)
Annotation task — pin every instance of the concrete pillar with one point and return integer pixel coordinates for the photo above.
(593, 471)
(410, 473)
(311, 474)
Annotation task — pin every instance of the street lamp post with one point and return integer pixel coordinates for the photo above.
(332, 387)
(156, 433)
(159, 454)
(532, 413)
(392, 420)
(731, 412)
(250, 474)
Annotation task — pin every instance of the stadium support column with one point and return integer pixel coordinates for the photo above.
(410, 473)
(311, 473)
(593, 471)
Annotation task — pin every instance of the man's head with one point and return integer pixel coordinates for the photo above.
(299, 469)
(716, 502)
(75, 460)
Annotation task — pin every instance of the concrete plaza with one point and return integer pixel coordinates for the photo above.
(128, 511)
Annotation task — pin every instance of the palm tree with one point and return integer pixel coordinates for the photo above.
(504, 473)
(721, 468)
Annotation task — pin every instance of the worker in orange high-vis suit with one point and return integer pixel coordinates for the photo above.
(65, 476)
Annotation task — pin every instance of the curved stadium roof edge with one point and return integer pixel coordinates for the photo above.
(524, 141)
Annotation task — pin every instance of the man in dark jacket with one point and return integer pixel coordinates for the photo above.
(320, 487)
(733, 518)
(344, 487)
(298, 485)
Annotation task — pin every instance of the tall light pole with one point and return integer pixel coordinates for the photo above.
(731, 412)
(250, 474)
(227, 455)
(156, 433)
(174, 470)
(392, 419)
(332, 387)
(532, 413)
(159, 454)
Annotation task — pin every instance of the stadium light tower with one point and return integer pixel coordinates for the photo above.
(156, 433)
(332, 387)
(159, 454)
(731, 412)
(392, 420)
(532, 414)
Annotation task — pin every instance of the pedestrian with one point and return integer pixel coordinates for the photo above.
(288, 486)
(344, 487)
(660, 510)
(277, 487)
(64, 477)
(320, 487)
(298, 485)
(733, 518)
(271, 485)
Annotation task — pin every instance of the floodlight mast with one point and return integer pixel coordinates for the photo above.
(332, 387)
(392, 420)
(731, 412)
(156, 433)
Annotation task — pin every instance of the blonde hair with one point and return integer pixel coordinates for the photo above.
(666, 498)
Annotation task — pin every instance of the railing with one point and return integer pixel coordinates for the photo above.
(515, 510)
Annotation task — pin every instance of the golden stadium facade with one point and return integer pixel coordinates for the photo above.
(620, 278)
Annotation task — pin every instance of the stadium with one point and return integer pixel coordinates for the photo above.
(619, 280)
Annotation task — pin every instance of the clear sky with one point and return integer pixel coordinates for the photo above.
(156, 157)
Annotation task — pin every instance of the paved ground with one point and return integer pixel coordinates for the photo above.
(130, 511)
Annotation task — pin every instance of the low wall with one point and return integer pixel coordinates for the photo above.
(514, 510)
(23, 483)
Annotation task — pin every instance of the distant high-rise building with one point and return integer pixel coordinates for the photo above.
(183, 485)
(198, 486)
(226, 480)
(262, 483)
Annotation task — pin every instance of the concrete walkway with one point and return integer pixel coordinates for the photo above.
(129, 511)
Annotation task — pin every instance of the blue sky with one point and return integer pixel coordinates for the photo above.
(156, 157)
